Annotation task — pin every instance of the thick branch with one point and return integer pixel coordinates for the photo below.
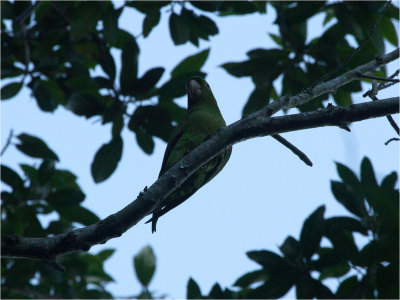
(255, 125)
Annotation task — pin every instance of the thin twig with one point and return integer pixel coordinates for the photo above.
(380, 78)
(355, 50)
(389, 117)
(391, 140)
(293, 148)
(8, 143)
(382, 85)
(27, 12)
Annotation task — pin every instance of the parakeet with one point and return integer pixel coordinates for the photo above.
(202, 120)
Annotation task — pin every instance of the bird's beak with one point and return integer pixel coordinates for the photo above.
(194, 89)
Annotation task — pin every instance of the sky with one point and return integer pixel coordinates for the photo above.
(263, 194)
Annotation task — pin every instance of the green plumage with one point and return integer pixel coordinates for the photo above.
(202, 120)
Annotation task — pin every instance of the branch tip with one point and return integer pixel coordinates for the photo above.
(391, 140)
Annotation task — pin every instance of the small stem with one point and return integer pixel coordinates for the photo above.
(293, 148)
(380, 78)
(391, 140)
(8, 143)
(389, 117)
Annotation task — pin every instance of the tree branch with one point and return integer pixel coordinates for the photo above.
(255, 125)
(329, 86)
(380, 78)
(293, 148)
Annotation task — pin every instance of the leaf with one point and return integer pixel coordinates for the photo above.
(275, 287)
(179, 29)
(347, 223)
(148, 81)
(62, 179)
(228, 8)
(276, 38)
(103, 82)
(110, 22)
(257, 100)
(46, 170)
(347, 287)
(66, 197)
(150, 21)
(10, 90)
(105, 254)
(348, 198)
(145, 141)
(78, 214)
(48, 95)
(269, 260)
(83, 84)
(367, 173)
(8, 70)
(57, 227)
(327, 257)
(35, 147)
(385, 204)
(341, 239)
(176, 86)
(311, 233)
(129, 68)
(348, 176)
(305, 288)
(107, 63)
(84, 19)
(145, 265)
(250, 278)
(117, 126)
(11, 178)
(193, 290)
(389, 182)
(338, 270)
(84, 105)
(154, 120)
(106, 159)
(342, 97)
(30, 172)
(291, 249)
(387, 281)
(216, 292)
(309, 288)
(191, 63)
(210, 6)
(206, 25)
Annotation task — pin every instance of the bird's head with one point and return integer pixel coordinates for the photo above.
(199, 92)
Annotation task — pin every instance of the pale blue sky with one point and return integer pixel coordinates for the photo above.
(263, 194)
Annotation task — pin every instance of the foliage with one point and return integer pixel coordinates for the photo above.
(366, 269)
(61, 52)
(370, 271)
(57, 62)
(45, 192)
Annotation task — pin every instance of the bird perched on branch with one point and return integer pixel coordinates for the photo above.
(202, 120)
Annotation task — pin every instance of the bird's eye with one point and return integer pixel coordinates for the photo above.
(207, 85)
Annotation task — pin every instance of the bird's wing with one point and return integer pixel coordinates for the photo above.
(172, 142)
